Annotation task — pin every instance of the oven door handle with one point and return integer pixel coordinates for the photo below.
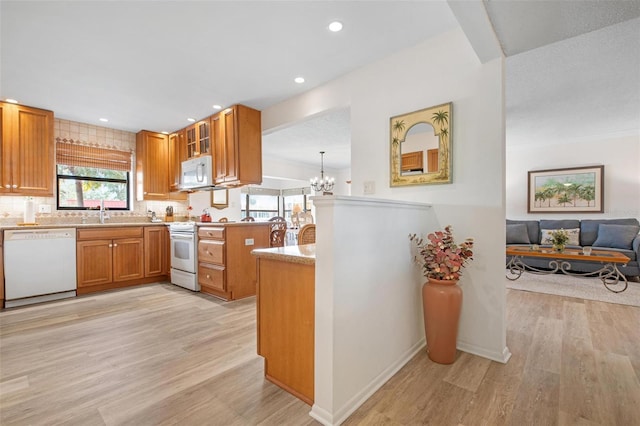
(181, 237)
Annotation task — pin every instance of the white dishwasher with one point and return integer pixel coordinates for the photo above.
(39, 265)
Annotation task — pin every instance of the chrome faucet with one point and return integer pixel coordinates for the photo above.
(103, 213)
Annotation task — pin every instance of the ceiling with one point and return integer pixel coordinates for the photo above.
(151, 65)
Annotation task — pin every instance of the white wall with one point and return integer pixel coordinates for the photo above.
(440, 70)
(619, 155)
(368, 304)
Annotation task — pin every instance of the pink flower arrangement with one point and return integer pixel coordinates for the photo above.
(442, 259)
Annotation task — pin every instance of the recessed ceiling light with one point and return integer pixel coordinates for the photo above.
(299, 80)
(165, 133)
(192, 120)
(216, 106)
(104, 120)
(335, 26)
(12, 101)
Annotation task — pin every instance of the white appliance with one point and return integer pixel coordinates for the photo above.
(197, 173)
(39, 265)
(184, 243)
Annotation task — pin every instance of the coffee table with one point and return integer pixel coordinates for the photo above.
(610, 274)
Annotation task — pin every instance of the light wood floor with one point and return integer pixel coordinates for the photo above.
(159, 354)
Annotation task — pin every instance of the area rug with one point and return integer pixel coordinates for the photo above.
(582, 288)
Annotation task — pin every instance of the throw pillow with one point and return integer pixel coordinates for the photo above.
(574, 236)
(517, 234)
(616, 236)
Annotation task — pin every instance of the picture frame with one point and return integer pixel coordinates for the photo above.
(568, 190)
(421, 146)
(220, 199)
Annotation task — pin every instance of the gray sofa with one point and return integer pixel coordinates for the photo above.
(602, 234)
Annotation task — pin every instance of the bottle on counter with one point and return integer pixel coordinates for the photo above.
(29, 211)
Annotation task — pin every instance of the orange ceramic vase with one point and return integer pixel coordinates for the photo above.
(442, 302)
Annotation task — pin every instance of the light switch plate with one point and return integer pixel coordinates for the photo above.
(248, 241)
(44, 208)
(369, 187)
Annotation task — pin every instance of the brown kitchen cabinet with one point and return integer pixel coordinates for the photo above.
(226, 268)
(152, 163)
(26, 150)
(198, 139)
(156, 251)
(109, 258)
(1, 270)
(238, 147)
(177, 154)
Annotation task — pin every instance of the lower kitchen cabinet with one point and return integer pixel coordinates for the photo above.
(226, 267)
(156, 251)
(1, 271)
(110, 257)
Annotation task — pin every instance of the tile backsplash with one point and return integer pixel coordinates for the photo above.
(12, 207)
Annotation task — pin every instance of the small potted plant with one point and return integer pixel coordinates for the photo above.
(559, 239)
(442, 261)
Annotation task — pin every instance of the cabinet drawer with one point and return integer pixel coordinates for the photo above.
(209, 232)
(109, 233)
(211, 251)
(212, 276)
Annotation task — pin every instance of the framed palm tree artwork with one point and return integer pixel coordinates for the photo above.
(570, 190)
(420, 144)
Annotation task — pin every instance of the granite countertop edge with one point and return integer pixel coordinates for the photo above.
(305, 254)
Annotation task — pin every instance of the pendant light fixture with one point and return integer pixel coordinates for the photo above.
(324, 184)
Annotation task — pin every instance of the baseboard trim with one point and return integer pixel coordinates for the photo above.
(327, 419)
(501, 357)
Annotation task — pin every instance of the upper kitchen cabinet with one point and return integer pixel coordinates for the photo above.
(152, 165)
(198, 139)
(238, 148)
(26, 151)
(177, 154)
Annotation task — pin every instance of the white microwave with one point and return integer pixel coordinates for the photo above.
(197, 173)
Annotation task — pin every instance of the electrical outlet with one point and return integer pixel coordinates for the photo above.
(248, 241)
(369, 187)
(44, 208)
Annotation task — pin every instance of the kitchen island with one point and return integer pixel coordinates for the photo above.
(286, 317)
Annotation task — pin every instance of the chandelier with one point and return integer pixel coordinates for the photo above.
(324, 184)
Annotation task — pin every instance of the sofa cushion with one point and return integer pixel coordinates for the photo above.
(517, 234)
(616, 236)
(533, 229)
(560, 223)
(573, 234)
(589, 228)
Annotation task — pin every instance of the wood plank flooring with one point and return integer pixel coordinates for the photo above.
(160, 355)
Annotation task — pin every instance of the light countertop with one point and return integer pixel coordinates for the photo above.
(305, 254)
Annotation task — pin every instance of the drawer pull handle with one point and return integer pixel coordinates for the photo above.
(208, 276)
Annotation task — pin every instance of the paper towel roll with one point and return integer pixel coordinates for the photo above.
(29, 211)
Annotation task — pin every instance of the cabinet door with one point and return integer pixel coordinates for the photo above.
(156, 245)
(5, 151)
(177, 154)
(191, 140)
(94, 262)
(1, 274)
(153, 163)
(128, 259)
(230, 145)
(211, 251)
(212, 276)
(217, 141)
(204, 137)
(27, 150)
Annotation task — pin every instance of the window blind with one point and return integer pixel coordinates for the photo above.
(70, 153)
